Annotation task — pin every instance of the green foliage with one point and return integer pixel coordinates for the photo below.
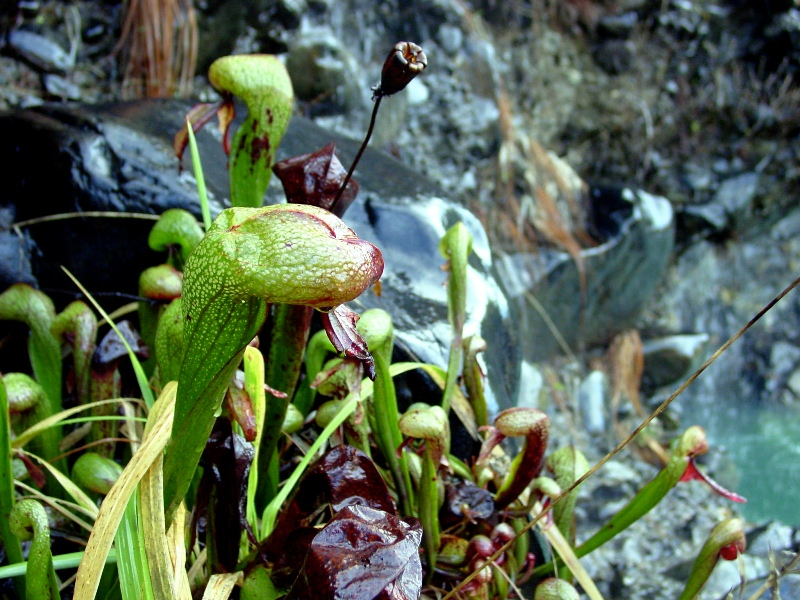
(10, 541)
(22, 303)
(455, 246)
(650, 495)
(169, 342)
(95, 473)
(567, 464)
(727, 541)
(248, 258)
(285, 262)
(28, 521)
(376, 327)
(176, 228)
(27, 406)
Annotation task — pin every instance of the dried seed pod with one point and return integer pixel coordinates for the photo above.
(405, 61)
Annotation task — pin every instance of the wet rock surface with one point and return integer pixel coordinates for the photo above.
(119, 158)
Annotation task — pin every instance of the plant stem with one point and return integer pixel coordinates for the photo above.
(358, 156)
(288, 339)
(428, 510)
(10, 541)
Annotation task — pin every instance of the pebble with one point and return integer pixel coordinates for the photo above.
(617, 473)
(783, 360)
(619, 25)
(592, 401)
(450, 38)
(41, 51)
(531, 386)
(669, 358)
(775, 537)
(736, 196)
(417, 93)
(62, 88)
(705, 218)
(698, 177)
(324, 71)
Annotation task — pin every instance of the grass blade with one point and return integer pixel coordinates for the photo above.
(134, 574)
(141, 378)
(254, 386)
(197, 165)
(111, 511)
(62, 561)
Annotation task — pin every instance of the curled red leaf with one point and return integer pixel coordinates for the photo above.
(343, 476)
(361, 554)
(692, 473)
(222, 493)
(198, 116)
(340, 325)
(315, 179)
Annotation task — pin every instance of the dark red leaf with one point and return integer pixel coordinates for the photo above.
(37, 473)
(226, 114)
(361, 554)
(198, 116)
(340, 325)
(315, 179)
(241, 408)
(343, 476)
(222, 493)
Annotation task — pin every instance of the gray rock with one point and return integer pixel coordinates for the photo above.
(532, 386)
(592, 395)
(772, 538)
(707, 220)
(616, 473)
(784, 358)
(789, 587)
(669, 359)
(450, 38)
(62, 88)
(324, 72)
(41, 51)
(699, 178)
(15, 263)
(736, 195)
(614, 56)
(544, 290)
(793, 387)
(617, 25)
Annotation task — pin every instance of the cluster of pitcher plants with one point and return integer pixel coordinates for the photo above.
(273, 459)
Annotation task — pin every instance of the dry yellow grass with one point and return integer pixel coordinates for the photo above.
(158, 48)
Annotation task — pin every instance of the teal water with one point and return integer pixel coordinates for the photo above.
(764, 443)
